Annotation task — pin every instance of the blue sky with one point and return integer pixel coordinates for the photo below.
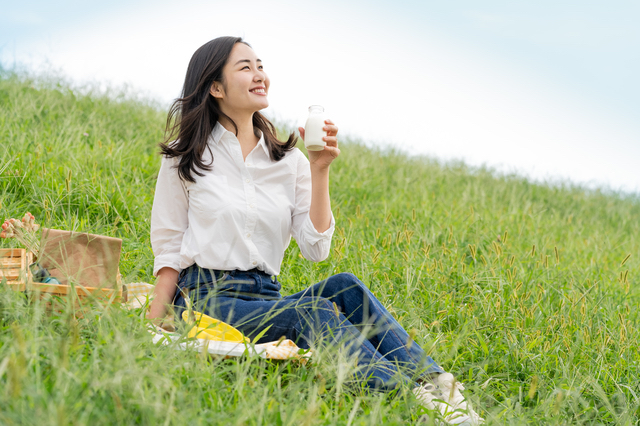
(545, 88)
(589, 47)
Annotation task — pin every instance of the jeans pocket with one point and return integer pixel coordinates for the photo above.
(222, 277)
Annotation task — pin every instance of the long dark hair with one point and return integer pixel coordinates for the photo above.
(193, 116)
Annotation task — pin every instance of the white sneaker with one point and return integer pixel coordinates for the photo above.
(445, 397)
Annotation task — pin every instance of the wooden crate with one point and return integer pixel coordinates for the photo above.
(14, 266)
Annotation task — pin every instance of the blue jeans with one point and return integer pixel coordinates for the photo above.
(337, 312)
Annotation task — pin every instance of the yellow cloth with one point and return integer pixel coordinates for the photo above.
(137, 294)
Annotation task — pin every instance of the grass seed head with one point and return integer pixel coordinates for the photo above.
(625, 259)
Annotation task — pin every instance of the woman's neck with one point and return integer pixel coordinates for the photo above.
(246, 135)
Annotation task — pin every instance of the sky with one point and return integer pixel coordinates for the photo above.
(545, 89)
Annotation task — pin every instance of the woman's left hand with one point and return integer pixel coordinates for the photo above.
(322, 159)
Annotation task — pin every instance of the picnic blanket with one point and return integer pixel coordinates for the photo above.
(281, 350)
(139, 295)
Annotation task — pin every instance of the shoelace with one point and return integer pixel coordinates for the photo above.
(427, 390)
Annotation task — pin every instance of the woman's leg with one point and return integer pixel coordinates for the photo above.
(310, 317)
(311, 322)
(365, 311)
(308, 321)
(440, 393)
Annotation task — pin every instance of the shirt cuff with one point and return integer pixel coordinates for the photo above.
(166, 260)
(312, 236)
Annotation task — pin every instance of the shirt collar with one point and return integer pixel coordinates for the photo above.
(219, 131)
(263, 144)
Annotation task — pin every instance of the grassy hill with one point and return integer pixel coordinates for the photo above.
(519, 289)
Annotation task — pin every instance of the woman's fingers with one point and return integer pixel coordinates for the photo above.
(330, 140)
(332, 132)
(330, 128)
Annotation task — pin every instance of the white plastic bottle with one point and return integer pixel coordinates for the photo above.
(313, 132)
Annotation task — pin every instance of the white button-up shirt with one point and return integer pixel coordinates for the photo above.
(240, 215)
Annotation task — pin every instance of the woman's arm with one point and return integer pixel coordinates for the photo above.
(163, 294)
(169, 221)
(320, 210)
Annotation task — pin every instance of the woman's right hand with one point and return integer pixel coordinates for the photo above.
(164, 291)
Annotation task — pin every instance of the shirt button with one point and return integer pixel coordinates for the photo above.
(252, 205)
(254, 263)
(247, 180)
(248, 235)
(249, 164)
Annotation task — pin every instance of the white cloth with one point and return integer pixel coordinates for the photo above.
(240, 215)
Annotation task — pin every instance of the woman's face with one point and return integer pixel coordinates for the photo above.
(245, 84)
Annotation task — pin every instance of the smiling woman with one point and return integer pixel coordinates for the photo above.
(192, 117)
(226, 206)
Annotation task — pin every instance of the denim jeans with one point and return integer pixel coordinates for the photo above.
(337, 312)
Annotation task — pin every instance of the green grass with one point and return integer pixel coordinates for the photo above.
(517, 288)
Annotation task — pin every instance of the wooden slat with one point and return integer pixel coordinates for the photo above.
(17, 285)
(12, 257)
(10, 262)
(102, 293)
(10, 274)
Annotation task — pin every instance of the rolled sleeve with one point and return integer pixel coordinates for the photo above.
(314, 246)
(169, 217)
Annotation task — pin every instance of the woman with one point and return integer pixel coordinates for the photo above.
(230, 195)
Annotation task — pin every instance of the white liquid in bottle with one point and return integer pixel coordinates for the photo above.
(313, 132)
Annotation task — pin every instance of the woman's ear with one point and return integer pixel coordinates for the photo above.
(216, 90)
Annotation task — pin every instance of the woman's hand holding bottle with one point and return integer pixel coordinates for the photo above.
(321, 160)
